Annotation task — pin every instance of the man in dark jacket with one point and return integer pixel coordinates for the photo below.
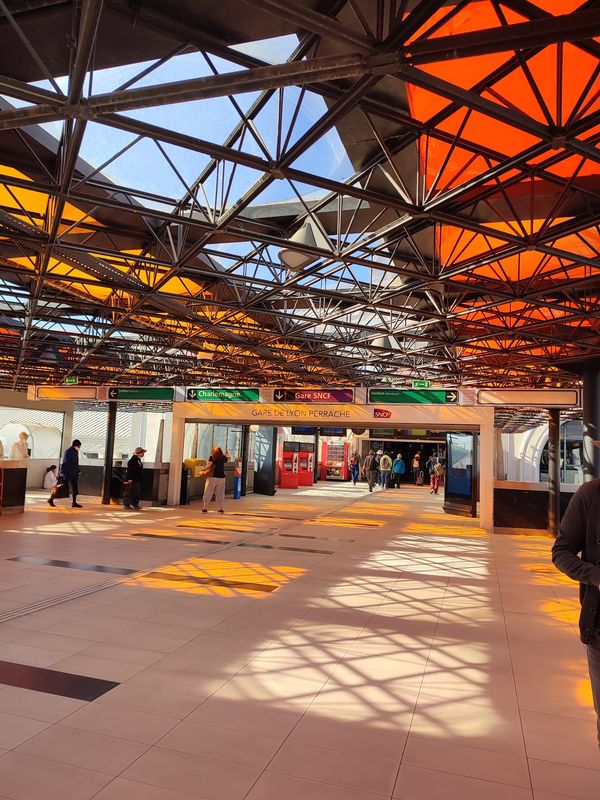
(132, 488)
(69, 473)
(576, 552)
(370, 469)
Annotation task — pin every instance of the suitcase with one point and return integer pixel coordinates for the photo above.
(420, 478)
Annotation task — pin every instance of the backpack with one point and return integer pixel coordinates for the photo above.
(385, 463)
(439, 470)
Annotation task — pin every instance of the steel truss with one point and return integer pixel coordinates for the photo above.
(452, 257)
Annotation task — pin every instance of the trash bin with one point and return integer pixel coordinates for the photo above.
(237, 487)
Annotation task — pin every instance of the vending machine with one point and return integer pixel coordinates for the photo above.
(306, 464)
(334, 462)
(288, 471)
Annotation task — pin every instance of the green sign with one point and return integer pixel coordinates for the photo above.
(141, 393)
(424, 396)
(71, 380)
(210, 395)
(421, 384)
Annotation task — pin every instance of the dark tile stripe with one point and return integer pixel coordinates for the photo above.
(181, 538)
(292, 549)
(51, 562)
(254, 587)
(209, 528)
(50, 681)
(262, 516)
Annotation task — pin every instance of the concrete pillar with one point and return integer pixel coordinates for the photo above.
(67, 431)
(591, 423)
(176, 461)
(109, 449)
(553, 470)
(487, 441)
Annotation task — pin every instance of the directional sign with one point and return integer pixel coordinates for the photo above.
(313, 395)
(220, 395)
(140, 393)
(421, 396)
(71, 380)
(421, 384)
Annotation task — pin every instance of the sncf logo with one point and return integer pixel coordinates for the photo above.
(381, 413)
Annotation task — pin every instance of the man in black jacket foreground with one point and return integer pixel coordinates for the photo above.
(132, 488)
(576, 552)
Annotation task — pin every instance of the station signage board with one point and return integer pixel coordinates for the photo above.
(204, 394)
(529, 398)
(139, 393)
(322, 396)
(62, 392)
(418, 396)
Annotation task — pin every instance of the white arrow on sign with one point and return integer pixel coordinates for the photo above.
(451, 396)
(113, 393)
(279, 395)
(191, 395)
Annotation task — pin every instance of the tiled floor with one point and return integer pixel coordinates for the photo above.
(371, 648)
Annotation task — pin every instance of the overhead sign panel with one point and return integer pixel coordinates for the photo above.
(62, 392)
(408, 396)
(529, 398)
(322, 396)
(421, 384)
(219, 395)
(139, 393)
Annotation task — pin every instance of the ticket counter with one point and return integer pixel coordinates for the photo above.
(154, 482)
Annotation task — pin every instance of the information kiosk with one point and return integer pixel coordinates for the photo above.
(288, 472)
(306, 464)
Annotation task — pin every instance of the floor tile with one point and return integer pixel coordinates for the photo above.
(565, 779)
(332, 766)
(79, 748)
(23, 777)
(37, 705)
(153, 701)
(219, 743)
(469, 761)
(121, 789)
(415, 783)
(202, 777)
(15, 730)
(136, 726)
(253, 719)
(275, 786)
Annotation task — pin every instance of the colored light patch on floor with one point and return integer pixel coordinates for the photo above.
(345, 522)
(445, 530)
(261, 516)
(223, 525)
(219, 577)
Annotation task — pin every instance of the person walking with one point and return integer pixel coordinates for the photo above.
(377, 459)
(576, 552)
(215, 483)
(398, 469)
(430, 470)
(436, 477)
(369, 469)
(416, 467)
(69, 473)
(50, 477)
(354, 465)
(132, 487)
(385, 470)
(19, 450)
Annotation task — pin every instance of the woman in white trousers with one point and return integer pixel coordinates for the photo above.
(216, 483)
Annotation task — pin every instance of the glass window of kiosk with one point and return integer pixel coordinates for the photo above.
(459, 473)
(571, 453)
(200, 438)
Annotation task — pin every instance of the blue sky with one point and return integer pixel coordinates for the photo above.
(144, 167)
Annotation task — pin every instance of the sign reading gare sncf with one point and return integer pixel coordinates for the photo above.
(313, 395)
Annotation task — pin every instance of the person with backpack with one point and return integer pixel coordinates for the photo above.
(416, 468)
(369, 469)
(385, 469)
(354, 465)
(398, 469)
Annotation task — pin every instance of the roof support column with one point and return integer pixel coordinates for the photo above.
(109, 450)
(591, 423)
(553, 470)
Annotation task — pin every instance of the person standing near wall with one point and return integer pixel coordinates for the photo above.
(416, 467)
(132, 487)
(19, 450)
(576, 552)
(215, 483)
(69, 473)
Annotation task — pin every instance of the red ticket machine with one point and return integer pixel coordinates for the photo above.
(288, 472)
(306, 464)
(334, 462)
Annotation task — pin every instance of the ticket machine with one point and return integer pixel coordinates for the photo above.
(306, 464)
(334, 462)
(288, 472)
